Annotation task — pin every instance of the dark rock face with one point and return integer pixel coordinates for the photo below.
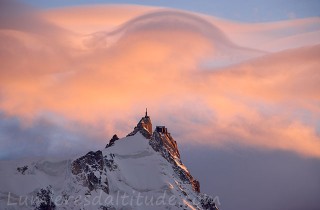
(164, 139)
(86, 169)
(144, 127)
(207, 202)
(44, 201)
(162, 142)
(112, 140)
(22, 169)
(196, 185)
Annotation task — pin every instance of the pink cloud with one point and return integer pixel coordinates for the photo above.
(166, 60)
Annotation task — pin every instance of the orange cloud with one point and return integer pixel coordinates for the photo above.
(185, 69)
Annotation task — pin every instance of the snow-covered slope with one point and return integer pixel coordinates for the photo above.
(140, 171)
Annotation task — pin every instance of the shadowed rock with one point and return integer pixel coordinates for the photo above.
(86, 169)
(163, 142)
(112, 140)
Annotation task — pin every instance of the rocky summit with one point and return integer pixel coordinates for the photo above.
(140, 171)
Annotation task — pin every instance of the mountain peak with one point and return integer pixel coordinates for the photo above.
(162, 141)
(112, 140)
(144, 164)
(144, 126)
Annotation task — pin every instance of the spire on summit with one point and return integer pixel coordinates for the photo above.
(144, 126)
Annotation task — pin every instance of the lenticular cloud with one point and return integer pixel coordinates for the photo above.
(215, 81)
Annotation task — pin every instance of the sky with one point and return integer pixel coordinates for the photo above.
(246, 11)
(237, 85)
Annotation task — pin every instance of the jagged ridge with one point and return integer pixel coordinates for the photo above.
(144, 162)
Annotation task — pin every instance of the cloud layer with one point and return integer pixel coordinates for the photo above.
(197, 74)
